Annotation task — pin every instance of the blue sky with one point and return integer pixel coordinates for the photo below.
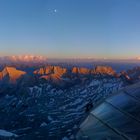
(70, 28)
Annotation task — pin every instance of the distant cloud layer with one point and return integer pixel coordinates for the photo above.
(23, 58)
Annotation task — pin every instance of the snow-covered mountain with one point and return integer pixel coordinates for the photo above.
(134, 73)
(44, 111)
(37, 107)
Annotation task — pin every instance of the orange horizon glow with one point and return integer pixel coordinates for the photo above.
(30, 57)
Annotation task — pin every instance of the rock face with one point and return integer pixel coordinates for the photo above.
(104, 70)
(98, 70)
(1, 76)
(45, 70)
(83, 71)
(11, 74)
(53, 73)
(57, 73)
(134, 73)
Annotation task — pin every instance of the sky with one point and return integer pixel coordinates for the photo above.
(70, 28)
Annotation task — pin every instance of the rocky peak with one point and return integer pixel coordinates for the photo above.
(53, 73)
(1, 76)
(59, 70)
(77, 70)
(104, 70)
(51, 70)
(58, 73)
(40, 71)
(134, 73)
(12, 73)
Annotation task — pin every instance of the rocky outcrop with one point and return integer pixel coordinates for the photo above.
(83, 71)
(134, 73)
(132, 76)
(104, 70)
(1, 76)
(11, 74)
(45, 70)
(57, 73)
(98, 70)
(53, 73)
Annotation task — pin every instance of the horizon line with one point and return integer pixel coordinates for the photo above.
(73, 58)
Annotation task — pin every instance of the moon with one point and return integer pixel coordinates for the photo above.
(55, 10)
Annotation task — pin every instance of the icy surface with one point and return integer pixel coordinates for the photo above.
(5, 133)
(48, 112)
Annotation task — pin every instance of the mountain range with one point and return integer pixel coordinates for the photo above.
(58, 74)
(48, 102)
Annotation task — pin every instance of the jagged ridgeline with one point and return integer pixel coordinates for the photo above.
(57, 74)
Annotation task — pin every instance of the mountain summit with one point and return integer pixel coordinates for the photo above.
(53, 73)
(11, 74)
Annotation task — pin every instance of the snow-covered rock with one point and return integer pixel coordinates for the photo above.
(4, 133)
(44, 124)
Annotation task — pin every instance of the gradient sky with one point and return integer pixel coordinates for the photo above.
(70, 28)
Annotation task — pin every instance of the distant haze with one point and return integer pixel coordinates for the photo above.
(28, 60)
